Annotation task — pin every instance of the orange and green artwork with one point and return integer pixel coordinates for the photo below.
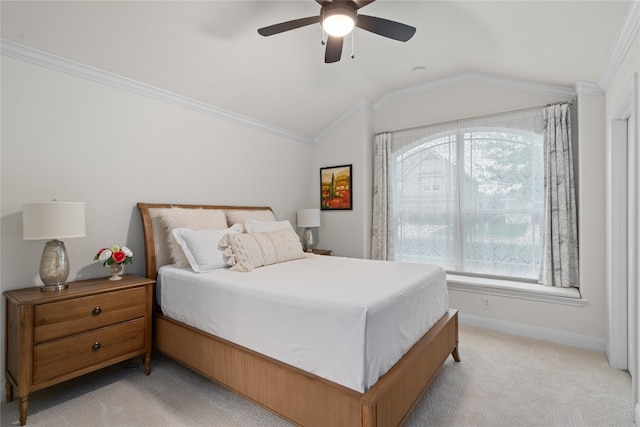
(335, 188)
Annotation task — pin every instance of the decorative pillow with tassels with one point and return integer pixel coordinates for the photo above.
(247, 251)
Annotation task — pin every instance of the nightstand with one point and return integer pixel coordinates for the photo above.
(55, 336)
(321, 251)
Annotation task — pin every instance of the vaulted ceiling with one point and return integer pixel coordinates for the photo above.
(210, 51)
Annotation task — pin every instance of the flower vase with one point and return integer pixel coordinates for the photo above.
(115, 270)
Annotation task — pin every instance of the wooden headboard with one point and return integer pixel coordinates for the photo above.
(156, 253)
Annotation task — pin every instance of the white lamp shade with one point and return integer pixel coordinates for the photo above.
(339, 20)
(53, 220)
(338, 25)
(308, 218)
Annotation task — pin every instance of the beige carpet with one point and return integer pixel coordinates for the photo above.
(503, 380)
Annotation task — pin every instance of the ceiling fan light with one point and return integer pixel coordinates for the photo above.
(339, 21)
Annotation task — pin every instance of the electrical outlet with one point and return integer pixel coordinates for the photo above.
(486, 303)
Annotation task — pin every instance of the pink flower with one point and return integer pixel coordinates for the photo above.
(118, 256)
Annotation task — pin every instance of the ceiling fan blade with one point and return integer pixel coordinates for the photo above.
(386, 28)
(289, 25)
(333, 51)
(356, 4)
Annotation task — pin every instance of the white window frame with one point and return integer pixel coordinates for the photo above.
(459, 132)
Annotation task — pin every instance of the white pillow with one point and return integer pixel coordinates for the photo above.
(246, 251)
(195, 219)
(201, 247)
(255, 226)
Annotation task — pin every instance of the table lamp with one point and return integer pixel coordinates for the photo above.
(308, 218)
(53, 220)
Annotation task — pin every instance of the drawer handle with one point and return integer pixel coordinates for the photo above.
(96, 311)
(96, 345)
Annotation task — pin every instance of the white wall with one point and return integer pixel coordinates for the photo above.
(443, 104)
(72, 139)
(347, 233)
(591, 198)
(75, 140)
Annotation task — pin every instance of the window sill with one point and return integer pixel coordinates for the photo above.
(515, 289)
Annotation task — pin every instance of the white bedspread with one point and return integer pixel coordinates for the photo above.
(344, 319)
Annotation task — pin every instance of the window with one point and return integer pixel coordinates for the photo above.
(469, 197)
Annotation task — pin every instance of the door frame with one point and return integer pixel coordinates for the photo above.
(622, 238)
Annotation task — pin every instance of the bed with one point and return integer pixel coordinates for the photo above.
(303, 394)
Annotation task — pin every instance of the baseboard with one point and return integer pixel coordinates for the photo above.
(552, 335)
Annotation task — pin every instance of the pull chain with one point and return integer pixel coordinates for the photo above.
(352, 49)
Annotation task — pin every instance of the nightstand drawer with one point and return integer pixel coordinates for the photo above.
(64, 318)
(60, 357)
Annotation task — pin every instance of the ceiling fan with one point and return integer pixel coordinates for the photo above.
(338, 18)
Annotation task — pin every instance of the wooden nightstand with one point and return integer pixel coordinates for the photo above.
(55, 336)
(321, 251)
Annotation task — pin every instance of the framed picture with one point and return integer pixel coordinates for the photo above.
(335, 188)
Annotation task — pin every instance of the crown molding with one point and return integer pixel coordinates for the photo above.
(522, 85)
(54, 62)
(588, 88)
(624, 39)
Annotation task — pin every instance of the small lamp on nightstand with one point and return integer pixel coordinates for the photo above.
(53, 220)
(308, 218)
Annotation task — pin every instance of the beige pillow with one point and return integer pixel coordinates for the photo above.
(194, 219)
(254, 226)
(247, 251)
(240, 217)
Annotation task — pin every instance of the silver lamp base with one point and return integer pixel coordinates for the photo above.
(307, 240)
(54, 266)
(52, 288)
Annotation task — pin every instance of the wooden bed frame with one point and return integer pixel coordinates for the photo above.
(298, 396)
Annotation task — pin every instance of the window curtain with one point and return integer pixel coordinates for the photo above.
(559, 262)
(381, 239)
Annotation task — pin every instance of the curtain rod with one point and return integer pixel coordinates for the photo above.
(477, 117)
(559, 103)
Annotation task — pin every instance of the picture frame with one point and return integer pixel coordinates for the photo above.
(336, 188)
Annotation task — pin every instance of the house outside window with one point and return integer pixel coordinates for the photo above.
(470, 199)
